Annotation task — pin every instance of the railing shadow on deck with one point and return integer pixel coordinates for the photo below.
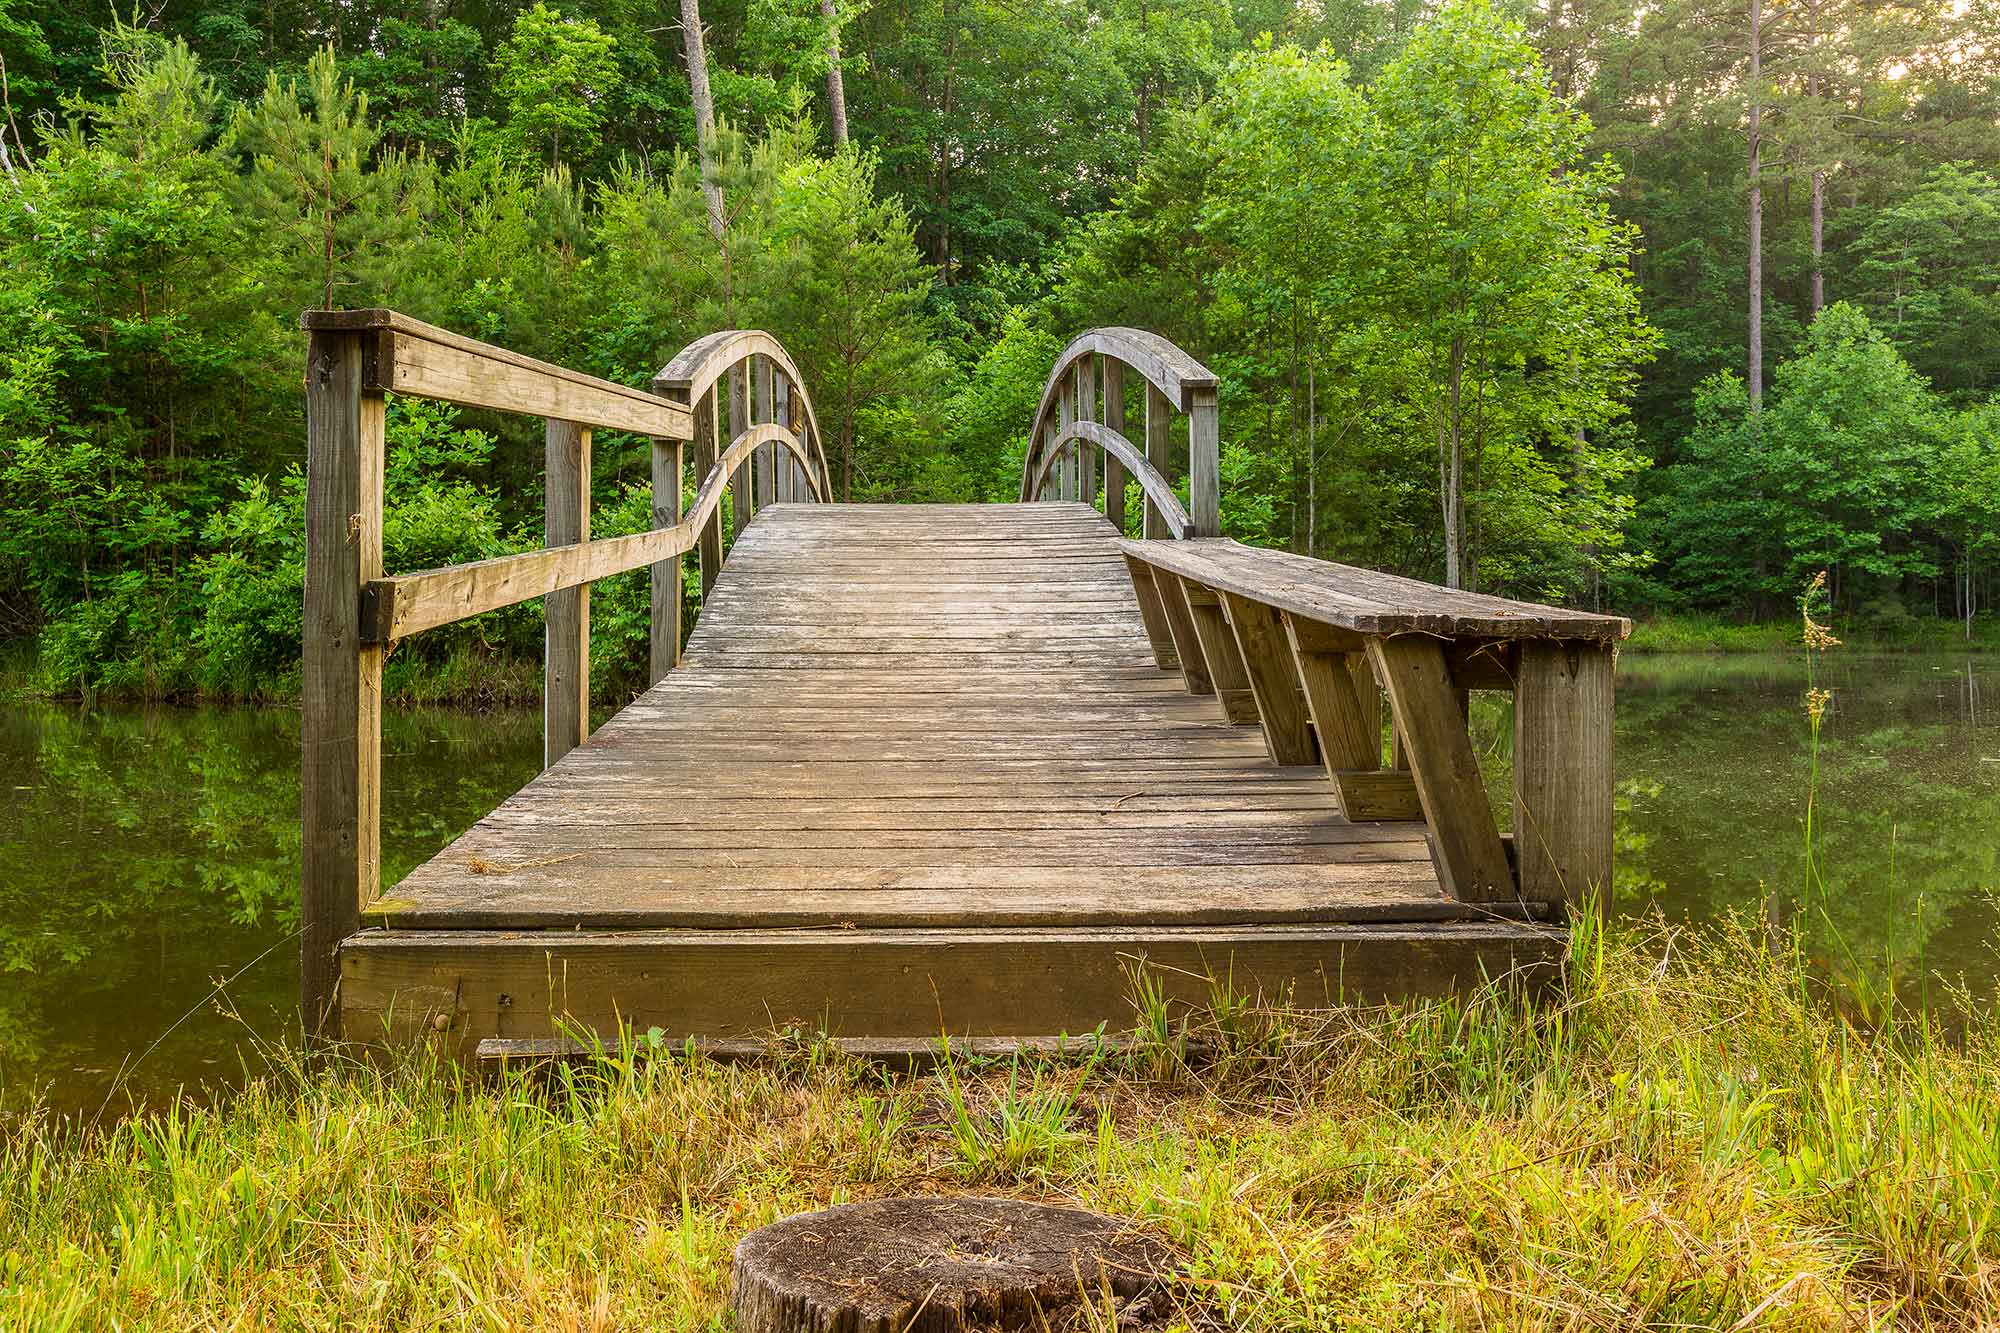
(771, 453)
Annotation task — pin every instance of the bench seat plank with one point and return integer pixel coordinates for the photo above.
(1366, 601)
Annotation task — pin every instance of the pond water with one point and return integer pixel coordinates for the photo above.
(146, 855)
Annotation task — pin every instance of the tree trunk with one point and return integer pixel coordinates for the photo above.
(704, 111)
(1451, 472)
(836, 88)
(1755, 378)
(1818, 241)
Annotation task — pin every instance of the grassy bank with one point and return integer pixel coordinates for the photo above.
(1717, 634)
(1687, 1145)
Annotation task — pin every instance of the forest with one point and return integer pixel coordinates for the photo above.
(1658, 308)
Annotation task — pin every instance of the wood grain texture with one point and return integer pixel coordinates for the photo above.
(918, 770)
(1187, 642)
(1562, 773)
(1116, 470)
(341, 676)
(1367, 601)
(566, 611)
(1266, 651)
(1154, 613)
(1471, 861)
(664, 637)
(463, 986)
(405, 355)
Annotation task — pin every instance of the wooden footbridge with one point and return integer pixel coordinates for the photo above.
(924, 769)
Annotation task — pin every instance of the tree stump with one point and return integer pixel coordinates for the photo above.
(935, 1265)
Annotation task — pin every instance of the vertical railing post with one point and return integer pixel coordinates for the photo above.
(739, 420)
(1159, 452)
(1204, 464)
(1114, 421)
(706, 451)
(1563, 810)
(1065, 414)
(1086, 410)
(566, 614)
(666, 574)
(781, 413)
(767, 454)
(341, 679)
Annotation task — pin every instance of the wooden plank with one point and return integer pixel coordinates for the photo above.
(739, 421)
(1187, 640)
(704, 364)
(1174, 521)
(765, 410)
(1159, 453)
(1350, 737)
(405, 355)
(1470, 859)
(664, 639)
(1367, 601)
(1563, 819)
(341, 676)
(1086, 410)
(566, 612)
(468, 985)
(1218, 649)
(707, 448)
(1261, 641)
(1378, 793)
(425, 369)
(1204, 464)
(1115, 474)
(1159, 634)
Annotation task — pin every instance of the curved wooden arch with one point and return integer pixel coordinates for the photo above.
(1183, 382)
(1111, 442)
(696, 367)
(740, 448)
(1171, 371)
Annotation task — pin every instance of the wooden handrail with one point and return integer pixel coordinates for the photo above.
(405, 604)
(1174, 380)
(353, 609)
(404, 355)
(1158, 493)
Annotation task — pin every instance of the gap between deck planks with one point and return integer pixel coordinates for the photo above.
(937, 733)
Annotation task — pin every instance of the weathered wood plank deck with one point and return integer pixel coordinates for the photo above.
(918, 770)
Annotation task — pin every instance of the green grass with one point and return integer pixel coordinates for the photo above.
(1694, 633)
(1694, 1143)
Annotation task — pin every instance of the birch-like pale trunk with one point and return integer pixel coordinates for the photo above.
(704, 111)
(836, 87)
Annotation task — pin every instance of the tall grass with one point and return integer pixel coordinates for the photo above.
(1684, 1138)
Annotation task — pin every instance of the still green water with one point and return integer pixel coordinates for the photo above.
(146, 856)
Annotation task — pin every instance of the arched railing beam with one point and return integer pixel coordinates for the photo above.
(1175, 382)
(1117, 446)
(696, 368)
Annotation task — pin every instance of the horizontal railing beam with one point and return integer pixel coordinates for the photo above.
(406, 604)
(404, 355)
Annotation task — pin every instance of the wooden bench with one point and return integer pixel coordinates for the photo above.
(1306, 649)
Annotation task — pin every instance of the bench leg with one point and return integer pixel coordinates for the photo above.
(1562, 772)
(1158, 632)
(1471, 860)
(1261, 642)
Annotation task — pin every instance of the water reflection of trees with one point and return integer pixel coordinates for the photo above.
(145, 853)
(1712, 766)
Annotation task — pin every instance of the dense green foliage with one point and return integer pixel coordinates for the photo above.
(1475, 277)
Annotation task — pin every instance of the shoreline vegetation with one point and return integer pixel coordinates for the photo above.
(1692, 1132)
(471, 676)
